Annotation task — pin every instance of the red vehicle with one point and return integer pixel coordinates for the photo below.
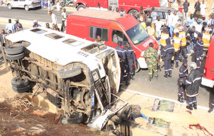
(130, 6)
(112, 27)
(208, 79)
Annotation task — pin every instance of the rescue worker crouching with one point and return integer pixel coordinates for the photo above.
(192, 83)
(176, 43)
(130, 60)
(151, 57)
(168, 52)
(183, 73)
(122, 57)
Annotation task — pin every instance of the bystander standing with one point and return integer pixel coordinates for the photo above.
(10, 26)
(186, 8)
(53, 18)
(64, 16)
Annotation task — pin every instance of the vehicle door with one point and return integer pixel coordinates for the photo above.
(118, 36)
(22, 3)
(14, 3)
(209, 64)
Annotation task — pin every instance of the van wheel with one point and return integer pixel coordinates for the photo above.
(137, 69)
(63, 73)
(80, 7)
(15, 57)
(13, 49)
(9, 6)
(132, 11)
(19, 82)
(26, 8)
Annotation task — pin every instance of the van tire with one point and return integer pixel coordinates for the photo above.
(80, 7)
(74, 120)
(9, 6)
(19, 82)
(15, 48)
(76, 70)
(15, 57)
(21, 89)
(26, 8)
(133, 11)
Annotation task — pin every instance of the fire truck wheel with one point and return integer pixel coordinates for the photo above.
(19, 82)
(80, 7)
(76, 119)
(21, 89)
(15, 48)
(63, 73)
(133, 11)
(15, 57)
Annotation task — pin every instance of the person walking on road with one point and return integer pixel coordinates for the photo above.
(64, 16)
(203, 9)
(50, 5)
(183, 73)
(168, 52)
(186, 8)
(131, 60)
(121, 55)
(151, 57)
(177, 44)
(199, 50)
(192, 83)
(197, 7)
(54, 19)
(2, 37)
(212, 106)
(9, 26)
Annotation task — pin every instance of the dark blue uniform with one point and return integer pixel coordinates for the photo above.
(183, 71)
(167, 56)
(121, 55)
(198, 52)
(130, 57)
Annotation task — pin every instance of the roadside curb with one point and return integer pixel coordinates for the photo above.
(25, 23)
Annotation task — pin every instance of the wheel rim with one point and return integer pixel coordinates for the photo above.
(81, 8)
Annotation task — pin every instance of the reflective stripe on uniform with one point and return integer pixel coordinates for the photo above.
(163, 39)
(176, 44)
(206, 39)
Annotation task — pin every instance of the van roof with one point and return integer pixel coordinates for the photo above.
(108, 15)
(55, 46)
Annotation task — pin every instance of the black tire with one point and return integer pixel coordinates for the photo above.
(70, 73)
(80, 7)
(15, 57)
(74, 120)
(19, 82)
(15, 48)
(134, 11)
(137, 69)
(26, 8)
(22, 89)
(9, 6)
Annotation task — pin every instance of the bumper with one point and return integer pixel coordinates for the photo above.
(34, 5)
(142, 63)
(207, 82)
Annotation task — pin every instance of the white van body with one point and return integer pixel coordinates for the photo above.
(26, 4)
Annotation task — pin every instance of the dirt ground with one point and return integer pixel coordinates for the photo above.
(18, 117)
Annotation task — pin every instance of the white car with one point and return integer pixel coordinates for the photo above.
(26, 4)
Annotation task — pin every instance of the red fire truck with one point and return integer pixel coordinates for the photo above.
(130, 6)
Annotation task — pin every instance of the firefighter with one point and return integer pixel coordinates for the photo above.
(212, 106)
(198, 50)
(168, 52)
(183, 73)
(131, 60)
(176, 43)
(206, 38)
(151, 57)
(121, 55)
(183, 50)
(164, 36)
(192, 83)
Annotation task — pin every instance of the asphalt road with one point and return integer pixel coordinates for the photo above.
(163, 87)
(33, 14)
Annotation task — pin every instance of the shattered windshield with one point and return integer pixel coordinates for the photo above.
(137, 34)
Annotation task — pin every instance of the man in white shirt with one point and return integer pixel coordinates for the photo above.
(159, 24)
(203, 9)
(169, 19)
(10, 26)
(198, 26)
(53, 18)
(64, 16)
(174, 21)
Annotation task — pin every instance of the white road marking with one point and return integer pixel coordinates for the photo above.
(161, 98)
